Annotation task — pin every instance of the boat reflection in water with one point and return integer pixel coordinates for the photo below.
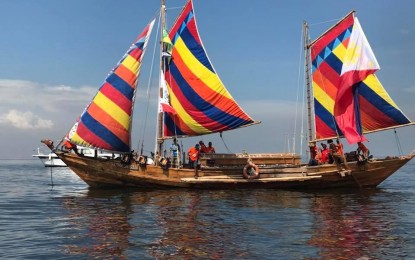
(248, 224)
(100, 221)
(355, 225)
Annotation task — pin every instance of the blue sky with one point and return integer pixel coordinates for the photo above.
(55, 54)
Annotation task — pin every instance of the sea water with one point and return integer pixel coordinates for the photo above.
(67, 220)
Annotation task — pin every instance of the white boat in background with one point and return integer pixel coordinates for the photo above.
(50, 159)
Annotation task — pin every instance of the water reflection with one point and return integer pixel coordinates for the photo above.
(185, 224)
(101, 219)
(353, 226)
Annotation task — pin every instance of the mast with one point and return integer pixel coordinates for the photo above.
(307, 76)
(159, 139)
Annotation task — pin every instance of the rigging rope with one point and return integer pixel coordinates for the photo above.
(398, 143)
(298, 93)
(51, 178)
(221, 137)
(149, 87)
(329, 21)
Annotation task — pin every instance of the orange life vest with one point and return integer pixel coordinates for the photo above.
(193, 154)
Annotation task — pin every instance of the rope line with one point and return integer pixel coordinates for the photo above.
(221, 137)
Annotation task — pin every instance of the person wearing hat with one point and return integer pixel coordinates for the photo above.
(193, 155)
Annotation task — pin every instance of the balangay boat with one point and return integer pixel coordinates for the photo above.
(349, 101)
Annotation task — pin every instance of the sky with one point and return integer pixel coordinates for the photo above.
(54, 55)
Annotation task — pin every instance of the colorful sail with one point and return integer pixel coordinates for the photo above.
(349, 100)
(201, 102)
(106, 122)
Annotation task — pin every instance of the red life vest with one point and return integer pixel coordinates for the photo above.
(325, 155)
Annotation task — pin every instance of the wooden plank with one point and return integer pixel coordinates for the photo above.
(223, 179)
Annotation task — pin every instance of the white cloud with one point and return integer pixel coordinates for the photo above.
(25, 120)
(31, 105)
(28, 95)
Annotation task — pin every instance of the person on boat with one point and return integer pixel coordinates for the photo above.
(313, 154)
(339, 149)
(362, 148)
(318, 157)
(332, 151)
(210, 148)
(203, 148)
(174, 153)
(324, 154)
(194, 156)
(70, 146)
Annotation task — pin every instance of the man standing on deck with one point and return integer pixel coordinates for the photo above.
(174, 153)
(194, 156)
(210, 148)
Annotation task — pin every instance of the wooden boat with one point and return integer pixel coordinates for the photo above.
(193, 101)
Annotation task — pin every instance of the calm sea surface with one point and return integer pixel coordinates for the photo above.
(69, 221)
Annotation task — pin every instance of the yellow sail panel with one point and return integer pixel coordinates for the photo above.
(131, 63)
(209, 78)
(113, 110)
(374, 84)
(321, 96)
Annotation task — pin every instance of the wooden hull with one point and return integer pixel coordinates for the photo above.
(114, 173)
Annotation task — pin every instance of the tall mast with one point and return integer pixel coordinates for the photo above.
(307, 76)
(159, 140)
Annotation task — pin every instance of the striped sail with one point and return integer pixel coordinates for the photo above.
(373, 108)
(106, 122)
(201, 103)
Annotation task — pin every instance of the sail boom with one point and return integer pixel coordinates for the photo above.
(186, 136)
(388, 128)
(365, 132)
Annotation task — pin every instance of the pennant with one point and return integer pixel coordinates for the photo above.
(167, 42)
